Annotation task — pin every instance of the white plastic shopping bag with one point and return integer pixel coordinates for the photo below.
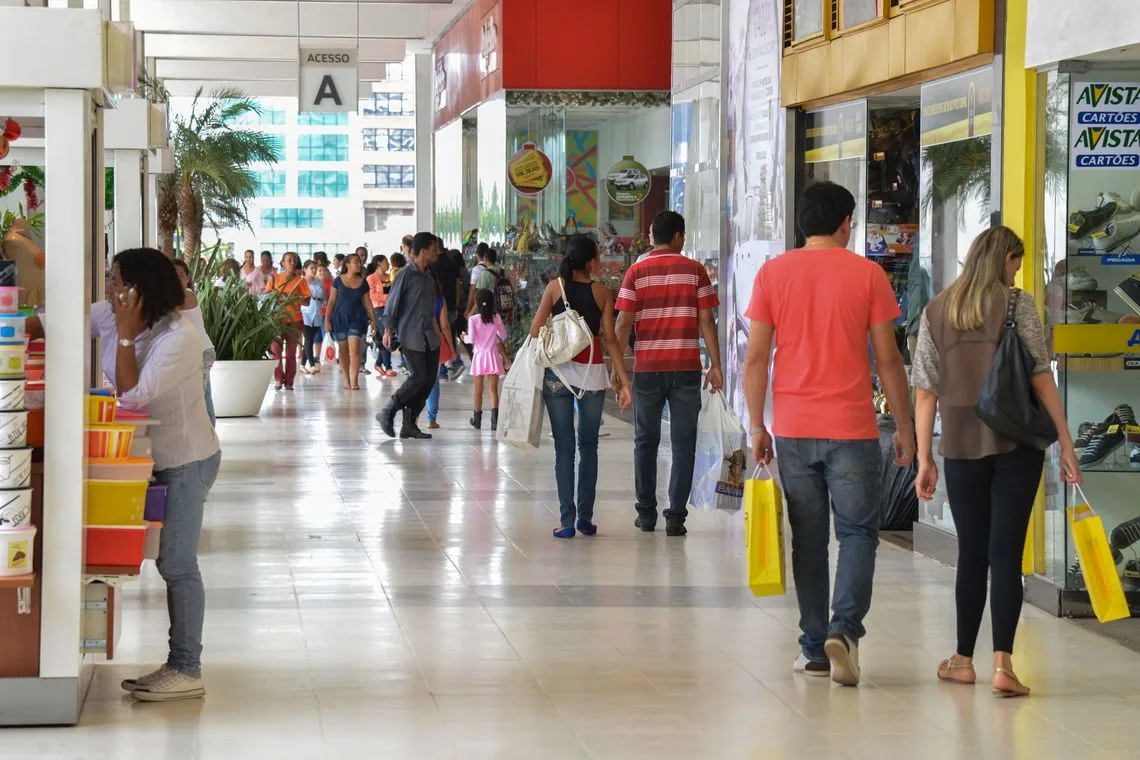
(722, 457)
(520, 401)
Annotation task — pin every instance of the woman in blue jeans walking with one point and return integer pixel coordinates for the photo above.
(152, 355)
(583, 379)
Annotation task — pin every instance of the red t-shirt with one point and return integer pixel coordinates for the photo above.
(665, 291)
(822, 303)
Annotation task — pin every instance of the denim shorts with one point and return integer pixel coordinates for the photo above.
(352, 332)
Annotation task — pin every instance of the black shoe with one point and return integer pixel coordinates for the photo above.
(494, 419)
(414, 433)
(1102, 446)
(644, 525)
(387, 419)
(477, 420)
(675, 529)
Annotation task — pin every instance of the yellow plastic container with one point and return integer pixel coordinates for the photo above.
(112, 502)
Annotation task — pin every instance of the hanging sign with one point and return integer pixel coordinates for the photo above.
(328, 80)
(957, 108)
(529, 171)
(627, 182)
(1105, 129)
(836, 133)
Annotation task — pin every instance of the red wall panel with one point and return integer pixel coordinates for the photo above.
(459, 48)
(520, 48)
(587, 44)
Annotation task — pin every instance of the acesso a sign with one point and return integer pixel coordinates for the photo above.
(328, 81)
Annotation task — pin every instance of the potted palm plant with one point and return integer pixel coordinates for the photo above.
(242, 326)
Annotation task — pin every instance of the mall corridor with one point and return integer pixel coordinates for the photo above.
(372, 599)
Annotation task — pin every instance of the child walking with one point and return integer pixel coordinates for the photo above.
(485, 334)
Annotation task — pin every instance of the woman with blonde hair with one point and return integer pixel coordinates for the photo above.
(991, 482)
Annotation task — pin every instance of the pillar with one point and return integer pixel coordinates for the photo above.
(129, 204)
(69, 121)
(425, 172)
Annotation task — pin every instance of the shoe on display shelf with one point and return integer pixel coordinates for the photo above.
(1129, 292)
(1080, 279)
(1134, 451)
(1116, 233)
(1122, 415)
(1102, 446)
(1130, 576)
(1089, 313)
(1124, 536)
(1085, 433)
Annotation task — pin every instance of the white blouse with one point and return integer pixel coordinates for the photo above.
(169, 389)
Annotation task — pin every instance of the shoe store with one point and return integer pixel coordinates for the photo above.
(888, 108)
(1088, 206)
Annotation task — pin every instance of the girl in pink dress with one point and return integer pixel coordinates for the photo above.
(486, 333)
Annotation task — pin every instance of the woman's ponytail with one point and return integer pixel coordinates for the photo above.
(580, 251)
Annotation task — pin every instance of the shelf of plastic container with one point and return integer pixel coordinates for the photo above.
(18, 581)
(109, 570)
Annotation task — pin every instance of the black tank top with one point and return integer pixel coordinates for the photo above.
(581, 298)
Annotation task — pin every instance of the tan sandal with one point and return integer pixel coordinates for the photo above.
(947, 667)
(1020, 690)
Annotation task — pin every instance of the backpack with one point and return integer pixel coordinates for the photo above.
(506, 300)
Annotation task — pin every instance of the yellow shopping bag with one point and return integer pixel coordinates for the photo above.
(1097, 565)
(764, 533)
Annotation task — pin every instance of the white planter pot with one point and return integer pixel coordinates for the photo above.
(239, 388)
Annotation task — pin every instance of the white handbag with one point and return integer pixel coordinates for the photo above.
(564, 336)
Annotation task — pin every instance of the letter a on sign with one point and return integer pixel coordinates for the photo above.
(327, 90)
(329, 80)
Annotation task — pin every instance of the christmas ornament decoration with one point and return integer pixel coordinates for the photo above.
(12, 129)
(3, 146)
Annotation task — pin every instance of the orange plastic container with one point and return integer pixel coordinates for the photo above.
(115, 545)
(110, 441)
(100, 409)
(133, 469)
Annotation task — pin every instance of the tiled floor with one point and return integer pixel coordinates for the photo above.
(371, 599)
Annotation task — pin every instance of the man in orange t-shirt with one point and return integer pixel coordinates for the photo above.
(820, 305)
(290, 285)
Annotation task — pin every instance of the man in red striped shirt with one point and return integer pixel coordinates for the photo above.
(670, 300)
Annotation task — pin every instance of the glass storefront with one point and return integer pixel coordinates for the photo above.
(1089, 202)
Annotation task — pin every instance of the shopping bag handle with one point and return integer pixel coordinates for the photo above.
(762, 468)
(1079, 494)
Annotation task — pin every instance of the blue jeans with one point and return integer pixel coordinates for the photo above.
(820, 476)
(560, 403)
(433, 401)
(651, 391)
(188, 486)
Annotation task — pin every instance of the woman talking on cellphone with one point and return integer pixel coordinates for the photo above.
(152, 355)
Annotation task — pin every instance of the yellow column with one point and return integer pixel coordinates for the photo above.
(1019, 204)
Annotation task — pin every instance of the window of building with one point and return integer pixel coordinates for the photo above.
(304, 250)
(856, 12)
(322, 148)
(316, 184)
(380, 219)
(396, 140)
(387, 175)
(338, 119)
(278, 146)
(270, 184)
(293, 218)
(389, 104)
(269, 117)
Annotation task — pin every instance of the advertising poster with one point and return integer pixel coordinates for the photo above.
(529, 170)
(957, 108)
(627, 182)
(836, 133)
(754, 158)
(1105, 129)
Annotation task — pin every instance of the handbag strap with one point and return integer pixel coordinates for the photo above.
(1011, 310)
(565, 300)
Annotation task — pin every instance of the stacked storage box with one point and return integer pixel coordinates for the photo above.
(117, 486)
(17, 534)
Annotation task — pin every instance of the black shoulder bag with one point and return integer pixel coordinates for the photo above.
(1007, 403)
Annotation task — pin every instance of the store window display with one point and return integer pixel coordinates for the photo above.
(1090, 205)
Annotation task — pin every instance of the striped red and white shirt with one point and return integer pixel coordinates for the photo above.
(665, 292)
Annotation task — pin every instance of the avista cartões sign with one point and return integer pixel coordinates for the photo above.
(1134, 340)
(1097, 95)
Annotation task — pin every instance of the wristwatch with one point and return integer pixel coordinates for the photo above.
(125, 343)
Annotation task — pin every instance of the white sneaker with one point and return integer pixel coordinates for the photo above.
(170, 687)
(844, 656)
(810, 667)
(133, 684)
(1080, 279)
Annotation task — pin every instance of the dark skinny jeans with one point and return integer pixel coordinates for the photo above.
(991, 500)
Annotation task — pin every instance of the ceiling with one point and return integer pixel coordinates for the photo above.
(253, 44)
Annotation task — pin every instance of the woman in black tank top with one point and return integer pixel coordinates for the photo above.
(587, 379)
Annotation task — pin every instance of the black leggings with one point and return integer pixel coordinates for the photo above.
(991, 500)
(308, 358)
